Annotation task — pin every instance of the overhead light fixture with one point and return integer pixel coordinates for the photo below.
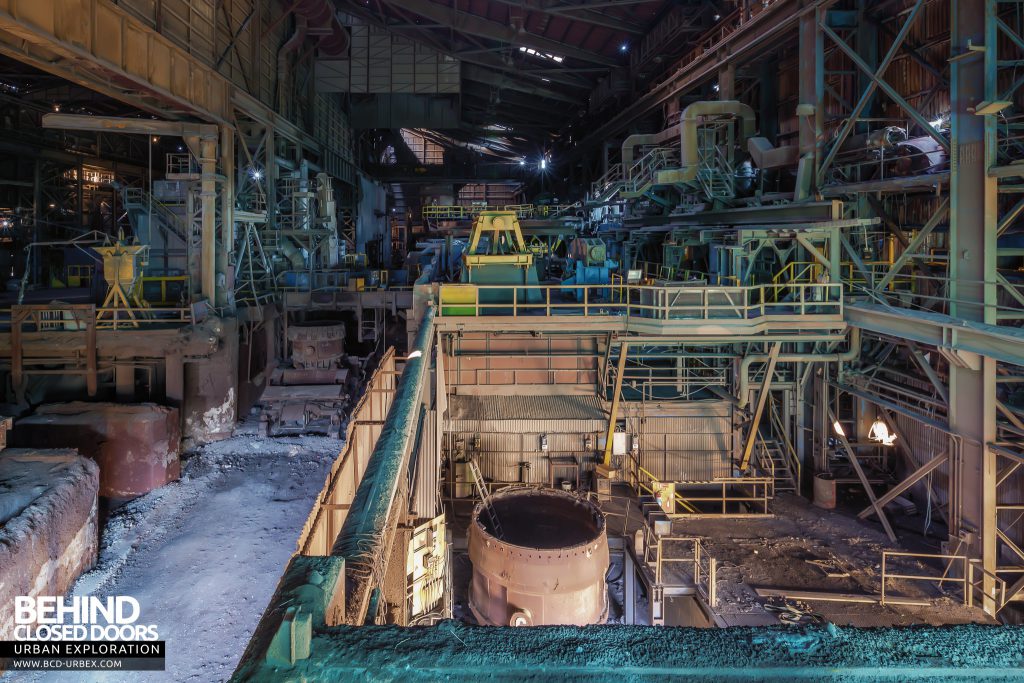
(880, 433)
(838, 428)
(715, 87)
(522, 162)
(256, 174)
(624, 47)
(543, 164)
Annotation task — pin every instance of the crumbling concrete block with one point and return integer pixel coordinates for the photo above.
(136, 445)
(48, 526)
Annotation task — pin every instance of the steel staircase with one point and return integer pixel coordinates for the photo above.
(714, 171)
(608, 185)
(139, 203)
(643, 174)
(785, 478)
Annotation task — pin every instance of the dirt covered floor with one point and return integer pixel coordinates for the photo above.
(802, 547)
(203, 554)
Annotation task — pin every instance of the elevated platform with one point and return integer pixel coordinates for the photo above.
(691, 310)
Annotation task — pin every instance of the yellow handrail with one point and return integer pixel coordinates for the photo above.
(670, 302)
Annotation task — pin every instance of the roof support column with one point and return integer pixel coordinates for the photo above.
(810, 110)
(972, 390)
(225, 296)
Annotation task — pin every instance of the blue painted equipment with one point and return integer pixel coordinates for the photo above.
(587, 263)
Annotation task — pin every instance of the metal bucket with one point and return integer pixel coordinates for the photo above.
(547, 567)
(825, 491)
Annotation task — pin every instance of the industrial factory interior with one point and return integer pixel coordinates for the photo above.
(423, 340)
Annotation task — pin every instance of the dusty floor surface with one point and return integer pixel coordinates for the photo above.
(203, 555)
(805, 548)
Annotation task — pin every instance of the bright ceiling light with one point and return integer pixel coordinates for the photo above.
(880, 432)
(256, 174)
(543, 164)
(624, 47)
(542, 55)
(838, 428)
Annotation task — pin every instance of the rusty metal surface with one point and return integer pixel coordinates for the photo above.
(316, 345)
(550, 565)
(135, 445)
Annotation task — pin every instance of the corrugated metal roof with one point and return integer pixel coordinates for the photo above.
(526, 408)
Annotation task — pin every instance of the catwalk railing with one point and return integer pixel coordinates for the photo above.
(641, 301)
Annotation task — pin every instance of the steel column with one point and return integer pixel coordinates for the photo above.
(973, 225)
(810, 111)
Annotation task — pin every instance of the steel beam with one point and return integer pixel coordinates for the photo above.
(875, 79)
(914, 477)
(928, 370)
(472, 24)
(886, 88)
(910, 251)
(762, 399)
(588, 17)
(852, 457)
(502, 81)
(1005, 344)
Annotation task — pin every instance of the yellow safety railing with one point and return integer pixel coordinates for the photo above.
(643, 481)
(811, 271)
(798, 271)
(164, 281)
(959, 569)
(703, 566)
(670, 302)
(79, 275)
(728, 492)
(459, 212)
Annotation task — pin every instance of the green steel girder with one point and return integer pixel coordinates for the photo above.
(1004, 344)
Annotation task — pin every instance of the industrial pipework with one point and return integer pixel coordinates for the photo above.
(690, 121)
(743, 385)
(366, 537)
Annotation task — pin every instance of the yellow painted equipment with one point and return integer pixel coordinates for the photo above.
(497, 255)
(122, 271)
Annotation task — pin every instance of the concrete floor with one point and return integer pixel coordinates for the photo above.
(203, 555)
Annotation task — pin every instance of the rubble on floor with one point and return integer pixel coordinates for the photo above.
(203, 554)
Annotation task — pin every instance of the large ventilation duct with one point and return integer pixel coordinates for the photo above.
(321, 20)
(634, 141)
(690, 120)
(687, 132)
